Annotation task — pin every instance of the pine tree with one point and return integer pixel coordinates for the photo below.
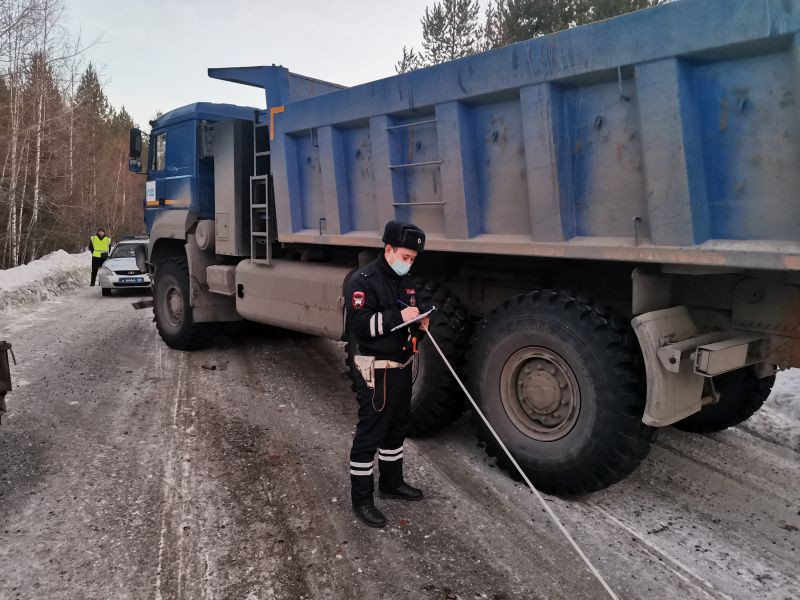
(92, 115)
(509, 21)
(589, 11)
(410, 61)
(450, 30)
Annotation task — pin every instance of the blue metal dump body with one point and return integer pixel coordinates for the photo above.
(670, 135)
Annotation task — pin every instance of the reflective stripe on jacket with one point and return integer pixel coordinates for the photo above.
(100, 247)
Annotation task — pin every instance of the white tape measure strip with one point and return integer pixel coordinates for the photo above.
(549, 511)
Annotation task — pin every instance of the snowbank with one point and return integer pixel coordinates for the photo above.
(54, 274)
(785, 397)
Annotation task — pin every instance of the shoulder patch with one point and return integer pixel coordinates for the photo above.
(359, 299)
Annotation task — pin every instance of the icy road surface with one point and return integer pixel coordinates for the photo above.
(128, 470)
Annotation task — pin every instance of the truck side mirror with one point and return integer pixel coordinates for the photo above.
(135, 144)
(134, 165)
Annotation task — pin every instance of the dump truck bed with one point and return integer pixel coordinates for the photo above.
(669, 135)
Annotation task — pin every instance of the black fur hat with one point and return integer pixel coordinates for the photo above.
(404, 235)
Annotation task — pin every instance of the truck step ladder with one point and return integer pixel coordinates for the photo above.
(262, 222)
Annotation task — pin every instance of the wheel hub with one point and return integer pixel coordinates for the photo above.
(174, 305)
(540, 393)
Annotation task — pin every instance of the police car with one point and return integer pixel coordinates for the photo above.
(120, 270)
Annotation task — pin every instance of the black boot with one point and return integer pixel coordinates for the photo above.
(370, 515)
(404, 492)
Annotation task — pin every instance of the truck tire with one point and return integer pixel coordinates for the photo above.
(435, 401)
(561, 381)
(173, 315)
(741, 394)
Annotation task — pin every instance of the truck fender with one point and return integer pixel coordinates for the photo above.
(168, 233)
(206, 306)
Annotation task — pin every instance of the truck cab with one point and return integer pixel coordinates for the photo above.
(180, 165)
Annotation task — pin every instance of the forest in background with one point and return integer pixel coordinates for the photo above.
(64, 148)
(453, 29)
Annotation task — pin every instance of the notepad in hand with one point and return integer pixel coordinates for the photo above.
(419, 317)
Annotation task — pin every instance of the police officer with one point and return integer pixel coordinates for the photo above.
(99, 245)
(380, 297)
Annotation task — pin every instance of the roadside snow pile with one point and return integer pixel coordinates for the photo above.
(51, 275)
(785, 396)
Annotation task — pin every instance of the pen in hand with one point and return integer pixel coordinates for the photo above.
(401, 303)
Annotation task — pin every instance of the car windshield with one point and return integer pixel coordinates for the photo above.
(125, 250)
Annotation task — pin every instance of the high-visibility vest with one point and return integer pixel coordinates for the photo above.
(100, 247)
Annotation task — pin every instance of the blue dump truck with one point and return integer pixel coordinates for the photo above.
(613, 221)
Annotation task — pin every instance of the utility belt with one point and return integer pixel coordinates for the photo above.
(366, 366)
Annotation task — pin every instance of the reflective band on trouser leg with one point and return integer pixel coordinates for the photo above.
(390, 450)
(390, 455)
(391, 463)
(361, 483)
(361, 468)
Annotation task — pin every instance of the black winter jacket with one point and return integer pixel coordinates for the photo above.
(373, 309)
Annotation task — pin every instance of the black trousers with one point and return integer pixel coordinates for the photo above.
(97, 262)
(383, 417)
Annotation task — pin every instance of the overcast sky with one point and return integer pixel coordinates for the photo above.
(154, 54)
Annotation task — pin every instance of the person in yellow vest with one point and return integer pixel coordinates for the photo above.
(99, 245)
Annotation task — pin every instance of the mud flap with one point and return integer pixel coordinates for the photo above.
(671, 394)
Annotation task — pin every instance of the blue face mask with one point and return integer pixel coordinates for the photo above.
(400, 267)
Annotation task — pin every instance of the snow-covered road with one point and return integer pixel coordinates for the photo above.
(129, 470)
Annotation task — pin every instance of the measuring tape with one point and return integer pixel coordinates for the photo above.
(547, 509)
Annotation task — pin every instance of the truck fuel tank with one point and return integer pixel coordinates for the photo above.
(302, 296)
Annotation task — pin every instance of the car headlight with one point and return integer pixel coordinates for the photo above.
(105, 272)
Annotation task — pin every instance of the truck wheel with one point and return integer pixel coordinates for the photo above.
(171, 305)
(741, 394)
(435, 402)
(561, 381)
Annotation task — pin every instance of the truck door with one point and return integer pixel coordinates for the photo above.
(154, 188)
(158, 167)
(179, 174)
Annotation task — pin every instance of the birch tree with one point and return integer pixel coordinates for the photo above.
(63, 147)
